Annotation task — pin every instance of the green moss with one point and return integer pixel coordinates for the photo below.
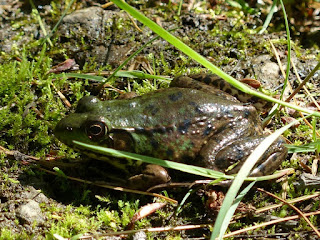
(6, 234)
(26, 116)
(73, 223)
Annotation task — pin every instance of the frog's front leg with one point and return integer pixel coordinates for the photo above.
(150, 176)
(231, 157)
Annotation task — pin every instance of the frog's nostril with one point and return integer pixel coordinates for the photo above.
(69, 129)
(62, 128)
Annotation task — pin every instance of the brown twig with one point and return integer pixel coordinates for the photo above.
(63, 98)
(134, 23)
(279, 63)
(293, 207)
(191, 227)
(274, 206)
(268, 223)
(291, 201)
(16, 154)
(106, 5)
(157, 229)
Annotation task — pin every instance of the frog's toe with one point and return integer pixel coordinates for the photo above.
(271, 161)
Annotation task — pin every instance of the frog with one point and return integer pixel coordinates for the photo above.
(200, 120)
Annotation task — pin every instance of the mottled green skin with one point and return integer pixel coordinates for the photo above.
(196, 124)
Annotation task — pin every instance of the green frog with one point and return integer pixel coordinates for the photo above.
(199, 120)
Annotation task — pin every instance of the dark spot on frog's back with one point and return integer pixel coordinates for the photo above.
(151, 108)
(207, 79)
(197, 107)
(169, 153)
(222, 84)
(229, 91)
(184, 127)
(154, 143)
(246, 113)
(175, 96)
(207, 130)
(214, 80)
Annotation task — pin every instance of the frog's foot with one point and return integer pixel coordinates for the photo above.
(231, 158)
(150, 176)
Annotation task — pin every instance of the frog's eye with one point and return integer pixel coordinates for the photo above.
(95, 130)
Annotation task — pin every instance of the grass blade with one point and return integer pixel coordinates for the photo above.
(164, 163)
(289, 49)
(128, 74)
(234, 206)
(269, 17)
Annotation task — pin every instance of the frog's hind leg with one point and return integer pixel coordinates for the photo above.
(190, 82)
(215, 84)
(219, 83)
(230, 158)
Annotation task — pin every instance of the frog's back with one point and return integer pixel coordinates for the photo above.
(175, 123)
(171, 106)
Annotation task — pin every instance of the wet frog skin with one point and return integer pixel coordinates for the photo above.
(191, 122)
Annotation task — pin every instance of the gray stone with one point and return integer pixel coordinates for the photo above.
(270, 69)
(86, 21)
(30, 212)
(88, 33)
(267, 71)
(34, 194)
(139, 236)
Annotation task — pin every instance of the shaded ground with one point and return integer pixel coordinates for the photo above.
(35, 204)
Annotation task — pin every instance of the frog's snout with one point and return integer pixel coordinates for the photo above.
(65, 129)
(59, 129)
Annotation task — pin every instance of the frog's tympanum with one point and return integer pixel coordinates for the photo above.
(196, 121)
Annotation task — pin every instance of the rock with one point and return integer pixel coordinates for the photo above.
(267, 71)
(30, 213)
(139, 236)
(89, 33)
(86, 22)
(34, 194)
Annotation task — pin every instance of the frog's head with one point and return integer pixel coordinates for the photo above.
(83, 125)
